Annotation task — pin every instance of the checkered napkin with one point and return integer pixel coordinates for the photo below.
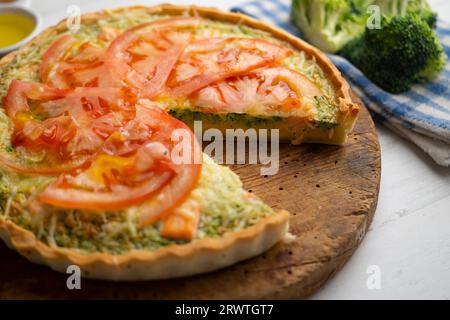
(421, 115)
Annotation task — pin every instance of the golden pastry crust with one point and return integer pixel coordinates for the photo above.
(200, 255)
(173, 261)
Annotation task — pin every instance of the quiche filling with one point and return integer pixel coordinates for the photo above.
(223, 204)
(87, 159)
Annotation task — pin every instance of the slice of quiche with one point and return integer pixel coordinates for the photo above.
(90, 172)
(232, 226)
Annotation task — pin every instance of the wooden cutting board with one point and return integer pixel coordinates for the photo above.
(331, 193)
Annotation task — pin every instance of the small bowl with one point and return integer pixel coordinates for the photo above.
(19, 10)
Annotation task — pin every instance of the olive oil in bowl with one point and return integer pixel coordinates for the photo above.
(17, 26)
(14, 28)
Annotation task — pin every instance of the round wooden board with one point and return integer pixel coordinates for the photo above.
(331, 192)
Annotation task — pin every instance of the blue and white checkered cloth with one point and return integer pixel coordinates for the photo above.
(421, 115)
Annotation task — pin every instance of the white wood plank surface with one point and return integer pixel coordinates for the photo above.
(409, 239)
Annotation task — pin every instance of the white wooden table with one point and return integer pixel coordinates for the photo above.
(409, 240)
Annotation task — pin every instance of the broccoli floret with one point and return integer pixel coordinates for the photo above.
(423, 9)
(360, 6)
(328, 24)
(406, 7)
(403, 52)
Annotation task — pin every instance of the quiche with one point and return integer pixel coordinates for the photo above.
(90, 172)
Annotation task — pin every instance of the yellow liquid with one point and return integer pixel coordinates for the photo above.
(14, 28)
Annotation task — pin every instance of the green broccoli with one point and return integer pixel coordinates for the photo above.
(403, 52)
(406, 7)
(329, 24)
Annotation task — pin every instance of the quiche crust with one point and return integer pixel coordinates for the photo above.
(173, 261)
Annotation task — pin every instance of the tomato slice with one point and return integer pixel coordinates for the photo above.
(210, 60)
(140, 58)
(50, 61)
(135, 163)
(59, 130)
(260, 92)
(152, 50)
(67, 63)
(173, 194)
(188, 173)
(111, 182)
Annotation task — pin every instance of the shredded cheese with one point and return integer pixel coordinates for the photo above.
(51, 233)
